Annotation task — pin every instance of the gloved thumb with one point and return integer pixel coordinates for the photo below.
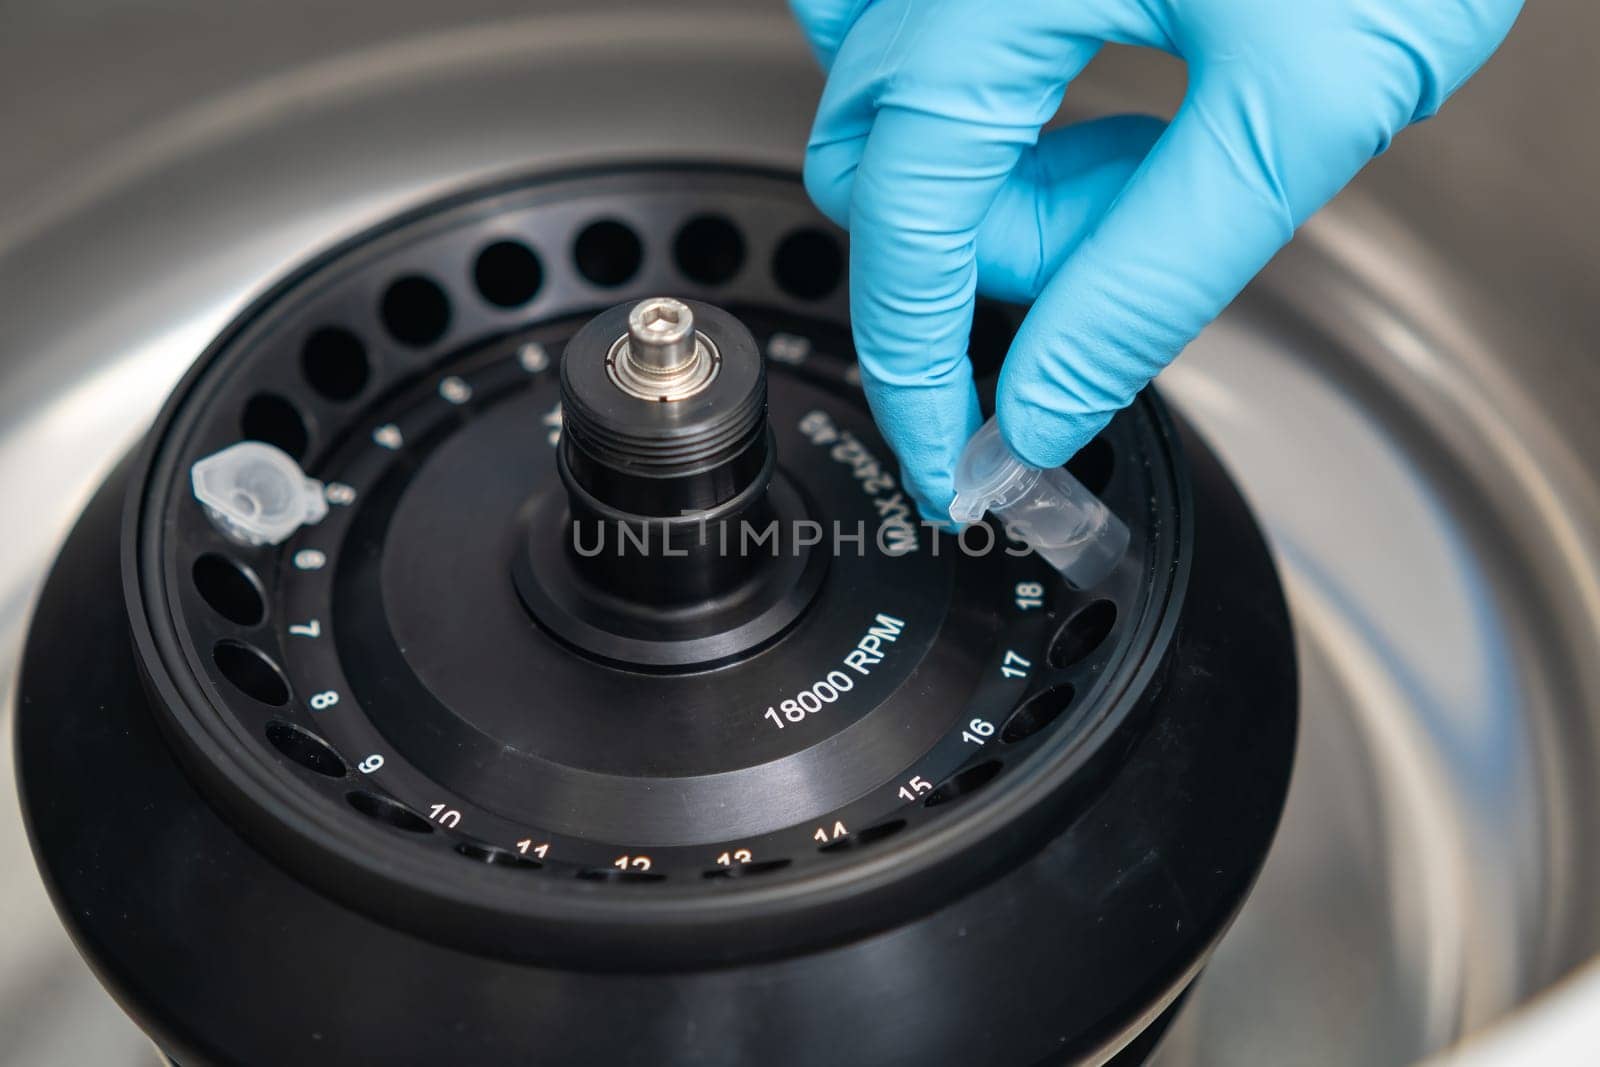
(1201, 216)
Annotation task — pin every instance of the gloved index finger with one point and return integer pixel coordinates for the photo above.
(923, 187)
(914, 86)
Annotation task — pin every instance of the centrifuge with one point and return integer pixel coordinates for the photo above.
(526, 652)
(353, 720)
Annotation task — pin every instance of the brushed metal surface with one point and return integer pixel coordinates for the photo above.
(1407, 396)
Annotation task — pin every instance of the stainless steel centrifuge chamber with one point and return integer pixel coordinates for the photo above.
(1407, 396)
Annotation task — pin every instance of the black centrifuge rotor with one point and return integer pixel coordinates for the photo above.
(408, 749)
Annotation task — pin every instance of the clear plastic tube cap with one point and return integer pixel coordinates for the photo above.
(256, 493)
(1048, 510)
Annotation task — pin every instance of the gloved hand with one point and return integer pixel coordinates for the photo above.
(1129, 237)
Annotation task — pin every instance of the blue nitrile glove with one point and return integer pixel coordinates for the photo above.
(1129, 237)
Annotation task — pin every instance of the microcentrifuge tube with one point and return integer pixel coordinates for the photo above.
(1049, 510)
